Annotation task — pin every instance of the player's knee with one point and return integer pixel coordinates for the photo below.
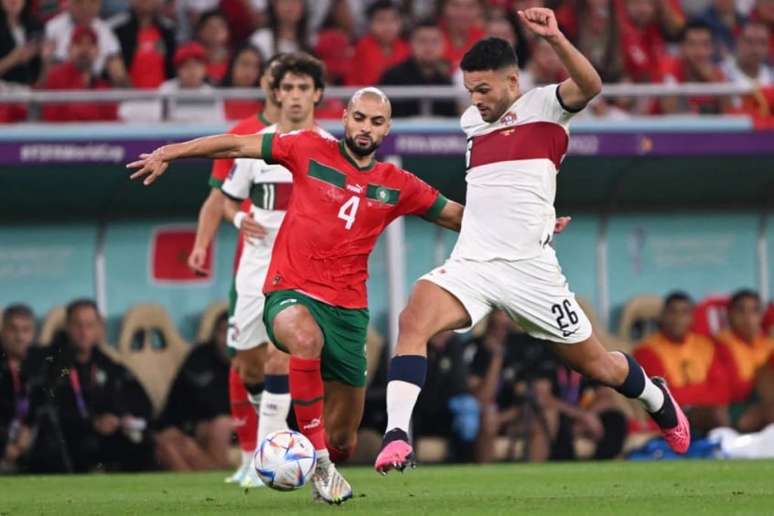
(305, 344)
(412, 331)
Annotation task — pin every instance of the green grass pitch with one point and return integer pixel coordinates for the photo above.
(620, 488)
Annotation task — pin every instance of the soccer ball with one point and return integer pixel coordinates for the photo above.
(285, 460)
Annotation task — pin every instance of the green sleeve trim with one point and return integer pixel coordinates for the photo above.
(215, 182)
(267, 141)
(437, 207)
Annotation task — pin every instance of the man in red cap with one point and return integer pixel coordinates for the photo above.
(77, 74)
(191, 75)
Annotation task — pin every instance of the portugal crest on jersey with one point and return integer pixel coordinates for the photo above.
(509, 118)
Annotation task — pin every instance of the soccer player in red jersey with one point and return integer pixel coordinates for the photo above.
(316, 306)
(244, 405)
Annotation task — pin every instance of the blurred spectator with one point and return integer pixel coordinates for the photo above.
(694, 64)
(425, 67)
(544, 67)
(594, 27)
(745, 350)
(381, 48)
(92, 412)
(349, 15)
(187, 13)
(461, 23)
(83, 13)
(191, 70)
(147, 43)
(335, 51)
(287, 30)
(195, 426)
(17, 335)
(643, 26)
(525, 393)
(20, 39)
(213, 34)
(694, 371)
(750, 64)
(446, 408)
(764, 13)
(726, 23)
(511, 377)
(244, 71)
(77, 73)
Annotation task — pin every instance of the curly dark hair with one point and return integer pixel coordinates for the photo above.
(488, 54)
(300, 63)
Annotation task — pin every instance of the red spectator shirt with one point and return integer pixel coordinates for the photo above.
(454, 54)
(692, 368)
(336, 213)
(237, 109)
(743, 359)
(371, 60)
(67, 77)
(675, 69)
(148, 69)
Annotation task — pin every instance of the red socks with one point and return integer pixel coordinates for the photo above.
(306, 391)
(243, 413)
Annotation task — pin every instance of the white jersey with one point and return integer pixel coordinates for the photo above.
(511, 174)
(268, 186)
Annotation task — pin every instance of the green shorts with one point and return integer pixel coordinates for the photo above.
(344, 335)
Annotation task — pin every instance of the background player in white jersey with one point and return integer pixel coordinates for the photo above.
(298, 86)
(503, 258)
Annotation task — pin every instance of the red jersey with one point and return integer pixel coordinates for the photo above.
(742, 360)
(66, 76)
(693, 369)
(336, 213)
(372, 61)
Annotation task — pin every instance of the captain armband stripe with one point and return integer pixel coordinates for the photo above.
(267, 142)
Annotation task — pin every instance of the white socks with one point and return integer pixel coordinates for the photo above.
(273, 413)
(401, 398)
(652, 397)
(247, 458)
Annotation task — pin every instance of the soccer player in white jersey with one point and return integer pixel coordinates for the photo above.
(502, 257)
(298, 86)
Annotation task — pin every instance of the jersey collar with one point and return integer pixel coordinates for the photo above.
(346, 155)
(263, 119)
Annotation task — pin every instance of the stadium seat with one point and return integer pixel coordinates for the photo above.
(710, 315)
(150, 346)
(53, 323)
(639, 317)
(207, 321)
(431, 449)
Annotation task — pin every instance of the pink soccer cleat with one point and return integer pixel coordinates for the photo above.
(677, 437)
(396, 453)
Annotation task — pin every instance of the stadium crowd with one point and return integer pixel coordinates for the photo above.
(196, 45)
(497, 394)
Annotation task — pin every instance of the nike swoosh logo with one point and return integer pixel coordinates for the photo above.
(566, 333)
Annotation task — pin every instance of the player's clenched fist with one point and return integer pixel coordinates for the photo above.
(541, 21)
(151, 165)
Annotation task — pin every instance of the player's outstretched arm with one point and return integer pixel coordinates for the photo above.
(584, 82)
(451, 216)
(152, 165)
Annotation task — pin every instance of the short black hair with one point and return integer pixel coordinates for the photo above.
(425, 23)
(205, 17)
(675, 296)
(742, 294)
(694, 25)
(300, 63)
(17, 310)
(488, 54)
(74, 306)
(381, 5)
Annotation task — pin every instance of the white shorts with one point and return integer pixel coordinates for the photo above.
(534, 292)
(245, 325)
